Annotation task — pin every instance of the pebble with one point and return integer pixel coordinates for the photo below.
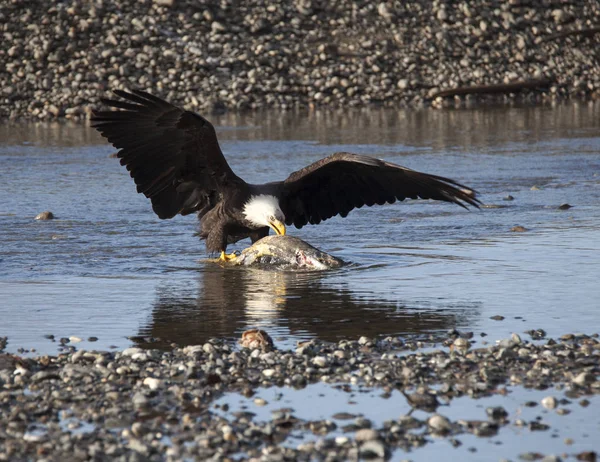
(372, 450)
(439, 423)
(60, 58)
(256, 338)
(366, 434)
(584, 378)
(45, 216)
(549, 402)
(149, 404)
(260, 402)
(496, 413)
(153, 383)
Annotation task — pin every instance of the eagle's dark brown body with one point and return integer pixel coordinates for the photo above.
(175, 160)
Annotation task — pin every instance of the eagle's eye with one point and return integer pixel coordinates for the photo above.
(271, 218)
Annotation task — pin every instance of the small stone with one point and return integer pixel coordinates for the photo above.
(45, 216)
(564, 207)
(260, 402)
(497, 318)
(584, 378)
(538, 426)
(269, 372)
(402, 84)
(74, 339)
(508, 198)
(372, 450)
(320, 361)
(496, 412)
(208, 348)
(341, 440)
(461, 343)
(518, 229)
(439, 423)
(256, 338)
(549, 402)
(531, 456)
(152, 383)
(132, 351)
(217, 27)
(551, 458)
(587, 456)
(44, 375)
(366, 434)
(138, 446)
(139, 400)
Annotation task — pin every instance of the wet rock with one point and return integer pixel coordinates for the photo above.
(584, 378)
(423, 400)
(366, 434)
(260, 402)
(497, 318)
(518, 229)
(531, 456)
(439, 424)
(587, 456)
(153, 397)
(256, 338)
(496, 413)
(47, 215)
(549, 402)
(538, 426)
(372, 450)
(564, 207)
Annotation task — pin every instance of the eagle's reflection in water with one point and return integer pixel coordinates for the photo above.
(290, 306)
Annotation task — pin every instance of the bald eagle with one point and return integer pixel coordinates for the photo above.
(175, 160)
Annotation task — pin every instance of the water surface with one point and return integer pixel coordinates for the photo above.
(108, 267)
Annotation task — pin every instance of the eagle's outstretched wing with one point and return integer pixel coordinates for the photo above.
(173, 155)
(343, 181)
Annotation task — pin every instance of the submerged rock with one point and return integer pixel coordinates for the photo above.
(45, 216)
(285, 252)
(256, 338)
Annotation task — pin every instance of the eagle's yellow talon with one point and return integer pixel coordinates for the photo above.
(227, 257)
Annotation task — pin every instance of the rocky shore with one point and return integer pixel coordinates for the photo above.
(145, 404)
(58, 58)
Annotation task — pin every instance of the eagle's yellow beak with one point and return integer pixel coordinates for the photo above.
(277, 226)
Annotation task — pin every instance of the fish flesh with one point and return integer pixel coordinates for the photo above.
(285, 252)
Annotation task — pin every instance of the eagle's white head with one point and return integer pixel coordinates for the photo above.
(264, 210)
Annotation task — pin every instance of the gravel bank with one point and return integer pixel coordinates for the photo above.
(58, 58)
(142, 404)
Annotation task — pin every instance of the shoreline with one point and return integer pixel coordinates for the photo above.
(61, 58)
(164, 405)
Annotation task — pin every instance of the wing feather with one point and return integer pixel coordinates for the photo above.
(163, 146)
(342, 182)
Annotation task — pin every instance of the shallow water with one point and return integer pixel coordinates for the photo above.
(580, 425)
(108, 268)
